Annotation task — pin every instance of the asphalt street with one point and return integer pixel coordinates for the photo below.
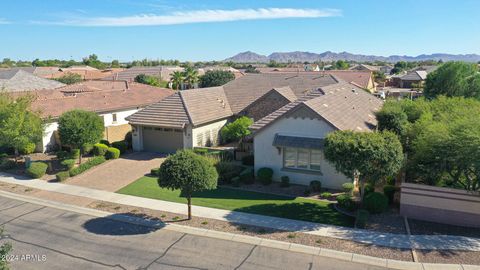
(49, 238)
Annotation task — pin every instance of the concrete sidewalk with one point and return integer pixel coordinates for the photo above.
(364, 236)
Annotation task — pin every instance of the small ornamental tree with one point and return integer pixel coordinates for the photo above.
(78, 128)
(70, 78)
(237, 129)
(188, 172)
(373, 156)
(216, 78)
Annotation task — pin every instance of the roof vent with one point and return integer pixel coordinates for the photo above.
(325, 105)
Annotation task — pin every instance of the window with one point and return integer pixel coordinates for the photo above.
(114, 117)
(301, 158)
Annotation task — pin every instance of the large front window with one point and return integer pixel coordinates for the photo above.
(301, 158)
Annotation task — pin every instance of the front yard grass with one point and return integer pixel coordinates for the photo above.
(245, 201)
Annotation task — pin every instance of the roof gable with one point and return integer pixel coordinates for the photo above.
(205, 104)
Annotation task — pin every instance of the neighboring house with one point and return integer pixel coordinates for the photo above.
(164, 72)
(17, 80)
(386, 69)
(290, 140)
(413, 79)
(114, 101)
(193, 118)
(235, 71)
(85, 73)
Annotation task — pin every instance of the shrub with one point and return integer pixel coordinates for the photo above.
(236, 130)
(247, 176)
(361, 218)
(62, 176)
(62, 155)
(248, 160)
(87, 165)
(375, 203)
(236, 181)
(326, 195)
(348, 187)
(369, 188)
(100, 149)
(3, 155)
(200, 151)
(307, 192)
(265, 175)
(285, 181)
(346, 202)
(227, 170)
(87, 148)
(389, 191)
(315, 185)
(28, 149)
(155, 171)
(112, 153)
(37, 169)
(75, 153)
(107, 143)
(68, 163)
(7, 164)
(121, 145)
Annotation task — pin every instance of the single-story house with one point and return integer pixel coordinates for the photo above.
(413, 79)
(193, 118)
(112, 100)
(23, 79)
(290, 140)
(129, 74)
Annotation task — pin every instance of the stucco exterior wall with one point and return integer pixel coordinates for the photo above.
(116, 133)
(443, 205)
(211, 131)
(48, 140)
(121, 115)
(266, 155)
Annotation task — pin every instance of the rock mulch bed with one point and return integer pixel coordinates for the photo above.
(18, 189)
(425, 227)
(299, 238)
(389, 222)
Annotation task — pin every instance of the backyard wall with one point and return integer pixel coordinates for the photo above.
(443, 205)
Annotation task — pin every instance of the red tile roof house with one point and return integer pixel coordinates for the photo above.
(293, 114)
(114, 101)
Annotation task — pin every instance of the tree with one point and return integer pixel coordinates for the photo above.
(453, 79)
(150, 80)
(78, 128)
(237, 129)
(189, 173)
(20, 126)
(177, 79)
(372, 156)
(92, 60)
(4, 250)
(115, 64)
(251, 69)
(379, 77)
(216, 78)
(190, 77)
(70, 78)
(341, 65)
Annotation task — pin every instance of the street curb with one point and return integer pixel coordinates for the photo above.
(315, 251)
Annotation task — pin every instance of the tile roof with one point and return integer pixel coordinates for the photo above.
(52, 103)
(245, 90)
(286, 92)
(206, 105)
(360, 78)
(131, 73)
(417, 75)
(14, 80)
(343, 105)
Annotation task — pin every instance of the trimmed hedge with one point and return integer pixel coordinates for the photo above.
(361, 218)
(265, 176)
(107, 143)
(112, 153)
(284, 181)
(348, 187)
(248, 160)
(37, 169)
(121, 145)
(87, 165)
(28, 149)
(7, 164)
(326, 195)
(346, 202)
(62, 154)
(100, 149)
(62, 176)
(155, 171)
(68, 163)
(375, 203)
(315, 186)
(247, 176)
(75, 153)
(87, 148)
(389, 191)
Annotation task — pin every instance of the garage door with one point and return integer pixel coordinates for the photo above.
(162, 140)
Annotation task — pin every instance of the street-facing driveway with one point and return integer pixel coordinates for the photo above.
(115, 174)
(59, 239)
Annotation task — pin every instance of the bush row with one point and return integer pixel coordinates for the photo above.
(37, 169)
(87, 165)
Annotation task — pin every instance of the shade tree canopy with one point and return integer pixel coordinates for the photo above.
(216, 78)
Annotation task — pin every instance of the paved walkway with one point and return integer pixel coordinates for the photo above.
(119, 172)
(358, 235)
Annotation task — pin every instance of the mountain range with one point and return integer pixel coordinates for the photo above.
(282, 57)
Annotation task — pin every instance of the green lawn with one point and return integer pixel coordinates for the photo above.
(244, 201)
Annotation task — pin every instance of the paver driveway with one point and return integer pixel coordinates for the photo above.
(115, 174)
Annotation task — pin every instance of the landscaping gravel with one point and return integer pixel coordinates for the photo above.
(389, 222)
(449, 256)
(425, 227)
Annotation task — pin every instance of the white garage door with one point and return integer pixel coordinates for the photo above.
(162, 140)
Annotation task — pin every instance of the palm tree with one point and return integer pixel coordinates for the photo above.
(191, 76)
(177, 79)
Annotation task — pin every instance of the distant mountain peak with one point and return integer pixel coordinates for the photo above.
(299, 56)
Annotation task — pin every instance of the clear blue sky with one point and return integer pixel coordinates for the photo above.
(214, 30)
